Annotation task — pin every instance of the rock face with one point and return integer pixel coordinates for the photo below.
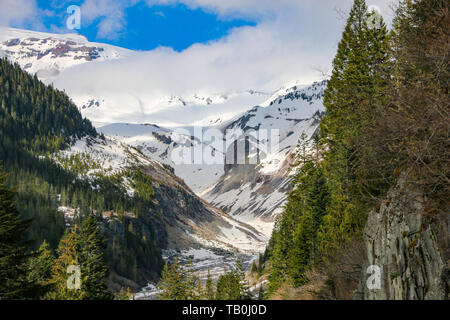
(258, 171)
(409, 242)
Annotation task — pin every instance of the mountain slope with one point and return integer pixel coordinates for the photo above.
(64, 171)
(256, 192)
(252, 193)
(165, 145)
(189, 221)
(37, 124)
(47, 55)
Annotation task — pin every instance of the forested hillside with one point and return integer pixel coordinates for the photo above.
(37, 123)
(36, 117)
(387, 117)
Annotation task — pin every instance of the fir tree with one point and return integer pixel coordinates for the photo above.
(327, 205)
(244, 290)
(294, 245)
(68, 255)
(232, 285)
(92, 259)
(13, 247)
(41, 269)
(385, 102)
(228, 287)
(178, 282)
(356, 84)
(416, 120)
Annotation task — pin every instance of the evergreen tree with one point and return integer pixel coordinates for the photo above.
(385, 105)
(13, 247)
(178, 282)
(416, 119)
(228, 287)
(336, 175)
(92, 259)
(41, 269)
(244, 289)
(356, 84)
(232, 285)
(68, 255)
(198, 289)
(295, 242)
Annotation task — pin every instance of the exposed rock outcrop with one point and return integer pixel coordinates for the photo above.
(409, 241)
(258, 171)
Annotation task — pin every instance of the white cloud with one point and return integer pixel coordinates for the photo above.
(234, 8)
(299, 38)
(112, 20)
(292, 41)
(256, 8)
(111, 14)
(19, 13)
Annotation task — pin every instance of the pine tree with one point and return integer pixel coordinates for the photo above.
(167, 284)
(327, 204)
(356, 84)
(41, 269)
(68, 255)
(294, 245)
(232, 285)
(198, 292)
(13, 247)
(227, 287)
(178, 282)
(92, 259)
(300, 254)
(244, 290)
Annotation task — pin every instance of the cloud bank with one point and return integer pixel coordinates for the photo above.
(294, 40)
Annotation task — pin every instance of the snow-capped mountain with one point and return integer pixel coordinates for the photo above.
(253, 193)
(188, 221)
(47, 55)
(61, 58)
(160, 144)
(257, 192)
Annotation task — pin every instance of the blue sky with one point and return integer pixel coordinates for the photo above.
(146, 27)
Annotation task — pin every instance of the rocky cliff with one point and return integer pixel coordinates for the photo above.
(408, 240)
(266, 137)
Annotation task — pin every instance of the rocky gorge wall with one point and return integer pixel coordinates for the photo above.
(408, 240)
